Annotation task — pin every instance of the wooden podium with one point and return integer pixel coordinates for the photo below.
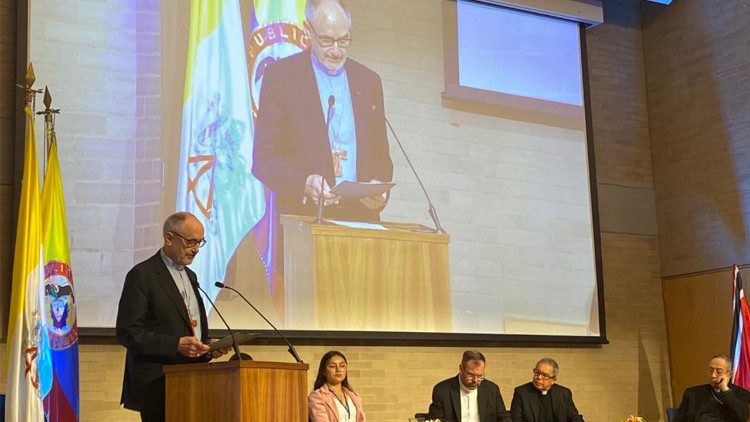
(355, 278)
(242, 391)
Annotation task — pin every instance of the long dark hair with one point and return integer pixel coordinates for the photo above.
(321, 378)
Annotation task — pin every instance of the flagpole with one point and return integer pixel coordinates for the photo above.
(30, 98)
(49, 125)
(30, 93)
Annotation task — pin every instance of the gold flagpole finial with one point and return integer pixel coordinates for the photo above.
(27, 87)
(30, 76)
(49, 120)
(48, 112)
(47, 98)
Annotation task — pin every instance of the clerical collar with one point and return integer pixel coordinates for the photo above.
(544, 392)
(465, 389)
(169, 262)
(322, 68)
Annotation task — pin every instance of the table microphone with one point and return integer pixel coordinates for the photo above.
(291, 349)
(237, 354)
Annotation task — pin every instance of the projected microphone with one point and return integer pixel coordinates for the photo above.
(431, 211)
(291, 349)
(237, 354)
(329, 117)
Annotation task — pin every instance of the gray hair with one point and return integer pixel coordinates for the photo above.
(726, 359)
(311, 6)
(551, 362)
(174, 222)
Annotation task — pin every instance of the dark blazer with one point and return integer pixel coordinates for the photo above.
(526, 407)
(291, 140)
(446, 402)
(699, 402)
(151, 318)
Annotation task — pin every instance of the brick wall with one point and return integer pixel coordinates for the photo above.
(110, 143)
(148, 164)
(698, 67)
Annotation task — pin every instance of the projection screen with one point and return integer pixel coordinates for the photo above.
(160, 112)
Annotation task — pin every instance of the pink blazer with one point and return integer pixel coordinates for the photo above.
(322, 408)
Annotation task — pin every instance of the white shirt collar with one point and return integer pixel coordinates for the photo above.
(168, 261)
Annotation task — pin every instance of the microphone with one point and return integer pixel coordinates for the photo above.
(329, 117)
(291, 349)
(237, 354)
(431, 211)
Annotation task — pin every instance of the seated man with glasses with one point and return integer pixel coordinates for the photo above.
(321, 121)
(468, 397)
(161, 319)
(542, 399)
(719, 400)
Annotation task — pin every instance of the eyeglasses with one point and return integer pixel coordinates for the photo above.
(542, 375)
(328, 41)
(476, 377)
(190, 243)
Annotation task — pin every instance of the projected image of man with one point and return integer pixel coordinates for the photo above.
(321, 121)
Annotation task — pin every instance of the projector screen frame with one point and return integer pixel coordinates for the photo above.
(106, 335)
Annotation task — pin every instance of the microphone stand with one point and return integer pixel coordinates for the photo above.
(291, 349)
(237, 354)
(431, 211)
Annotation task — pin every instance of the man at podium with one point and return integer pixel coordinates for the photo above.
(161, 319)
(321, 121)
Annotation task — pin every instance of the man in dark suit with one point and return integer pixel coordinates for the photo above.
(321, 121)
(542, 399)
(161, 319)
(719, 400)
(468, 397)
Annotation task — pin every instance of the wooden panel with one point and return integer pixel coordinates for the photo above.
(381, 284)
(277, 395)
(246, 391)
(362, 279)
(698, 311)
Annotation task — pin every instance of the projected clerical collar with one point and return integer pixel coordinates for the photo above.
(322, 68)
(168, 261)
(338, 113)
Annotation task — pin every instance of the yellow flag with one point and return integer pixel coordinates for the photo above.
(26, 334)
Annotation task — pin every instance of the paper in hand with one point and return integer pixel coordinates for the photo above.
(241, 338)
(347, 189)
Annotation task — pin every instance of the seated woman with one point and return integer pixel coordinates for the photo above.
(333, 399)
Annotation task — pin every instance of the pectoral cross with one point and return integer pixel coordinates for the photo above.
(338, 155)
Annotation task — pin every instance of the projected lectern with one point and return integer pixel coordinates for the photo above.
(340, 277)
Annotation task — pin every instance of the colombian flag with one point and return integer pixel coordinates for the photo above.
(29, 369)
(61, 404)
(740, 334)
